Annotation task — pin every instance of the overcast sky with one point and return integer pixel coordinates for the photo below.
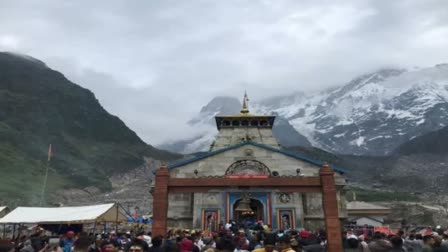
(156, 63)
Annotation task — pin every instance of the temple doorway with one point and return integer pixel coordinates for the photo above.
(248, 218)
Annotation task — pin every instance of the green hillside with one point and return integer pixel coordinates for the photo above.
(38, 107)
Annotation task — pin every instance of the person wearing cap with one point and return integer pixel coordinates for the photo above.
(67, 243)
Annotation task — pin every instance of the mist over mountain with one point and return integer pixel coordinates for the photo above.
(372, 114)
(282, 129)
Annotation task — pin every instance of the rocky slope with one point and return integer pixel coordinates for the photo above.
(39, 106)
(419, 167)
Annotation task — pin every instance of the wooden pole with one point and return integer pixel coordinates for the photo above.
(4, 231)
(116, 218)
(13, 231)
(44, 187)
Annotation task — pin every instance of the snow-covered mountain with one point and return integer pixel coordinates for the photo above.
(370, 115)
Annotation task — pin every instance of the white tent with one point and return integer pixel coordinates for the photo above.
(65, 215)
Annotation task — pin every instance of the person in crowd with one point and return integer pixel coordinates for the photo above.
(82, 244)
(157, 244)
(352, 244)
(284, 243)
(186, 245)
(67, 242)
(397, 244)
(225, 244)
(445, 239)
(362, 243)
(379, 243)
(428, 243)
(6, 246)
(113, 237)
(107, 246)
(125, 239)
(412, 244)
(208, 244)
(268, 244)
(137, 245)
(437, 247)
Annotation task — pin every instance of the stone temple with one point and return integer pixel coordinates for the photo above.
(246, 176)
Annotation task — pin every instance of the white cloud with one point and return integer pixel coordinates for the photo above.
(9, 42)
(156, 63)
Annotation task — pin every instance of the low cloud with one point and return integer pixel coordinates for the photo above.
(156, 63)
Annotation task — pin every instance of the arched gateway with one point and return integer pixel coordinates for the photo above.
(247, 177)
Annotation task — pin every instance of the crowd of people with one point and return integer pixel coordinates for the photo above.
(228, 240)
(425, 240)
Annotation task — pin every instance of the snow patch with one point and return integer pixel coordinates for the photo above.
(421, 121)
(358, 142)
(339, 135)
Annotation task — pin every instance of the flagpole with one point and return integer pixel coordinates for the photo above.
(44, 187)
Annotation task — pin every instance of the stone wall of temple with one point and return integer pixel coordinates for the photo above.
(180, 210)
(207, 201)
(218, 164)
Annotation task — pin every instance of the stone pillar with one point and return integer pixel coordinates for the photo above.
(330, 205)
(160, 202)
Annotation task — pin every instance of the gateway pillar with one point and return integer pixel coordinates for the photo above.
(160, 202)
(330, 205)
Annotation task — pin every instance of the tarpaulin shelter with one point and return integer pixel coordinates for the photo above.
(145, 219)
(66, 215)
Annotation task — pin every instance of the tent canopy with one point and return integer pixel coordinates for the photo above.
(65, 215)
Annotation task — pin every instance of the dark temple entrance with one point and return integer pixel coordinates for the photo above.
(249, 218)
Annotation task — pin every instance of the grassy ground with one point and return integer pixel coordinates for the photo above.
(22, 178)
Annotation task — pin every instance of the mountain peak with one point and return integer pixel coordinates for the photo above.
(223, 105)
(13, 58)
(41, 107)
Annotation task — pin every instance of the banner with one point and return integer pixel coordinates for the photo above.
(239, 176)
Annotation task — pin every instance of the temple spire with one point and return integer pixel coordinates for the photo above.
(245, 109)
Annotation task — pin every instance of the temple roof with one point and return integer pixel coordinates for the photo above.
(232, 147)
(245, 118)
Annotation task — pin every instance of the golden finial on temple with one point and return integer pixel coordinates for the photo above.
(245, 109)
